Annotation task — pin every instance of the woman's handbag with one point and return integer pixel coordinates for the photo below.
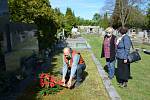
(134, 55)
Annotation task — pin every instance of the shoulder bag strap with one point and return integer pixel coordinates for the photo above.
(130, 41)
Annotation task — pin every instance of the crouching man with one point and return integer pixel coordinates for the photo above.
(73, 67)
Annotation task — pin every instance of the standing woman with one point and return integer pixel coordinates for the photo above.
(108, 50)
(123, 49)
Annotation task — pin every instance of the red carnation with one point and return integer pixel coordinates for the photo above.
(52, 85)
(42, 84)
(42, 75)
(47, 76)
(41, 80)
(52, 80)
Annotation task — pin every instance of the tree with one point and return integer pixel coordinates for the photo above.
(109, 6)
(2, 56)
(137, 19)
(115, 21)
(37, 12)
(96, 19)
(4, 26)
(60, 20)
(123, 10)
(105, 21)
(148, 16)
(70, 21)
(59, 17)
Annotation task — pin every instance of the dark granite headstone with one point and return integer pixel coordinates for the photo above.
(28, 63)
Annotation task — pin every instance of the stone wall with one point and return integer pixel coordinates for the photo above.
(89, 29)
(18, 32)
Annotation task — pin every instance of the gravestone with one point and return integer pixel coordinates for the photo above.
(27, 64)
(103, 33)
(140, 34)
(78, 43)
(100, 30)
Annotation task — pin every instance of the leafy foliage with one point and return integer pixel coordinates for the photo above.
(148, 15)
(127, 12)
(82, 21)
(59, 17)
(70, 21)
(38, 12)
(105, 21)
(116, 16)
(47, 91)
(137, 19)
(97, 19)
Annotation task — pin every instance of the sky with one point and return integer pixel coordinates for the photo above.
(83, 8)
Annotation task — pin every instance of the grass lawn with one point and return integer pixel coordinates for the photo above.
(138, 88)
(91, 89)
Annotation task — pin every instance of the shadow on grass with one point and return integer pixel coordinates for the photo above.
(85, 74)
(106, 68)
(53, 69)
(31, 92)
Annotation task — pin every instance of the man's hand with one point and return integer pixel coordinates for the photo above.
(69, 84)
(125, 61)
(63, 81)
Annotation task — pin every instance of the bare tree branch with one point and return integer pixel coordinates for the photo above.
(121, 9)
(109, 6)
(125, 7)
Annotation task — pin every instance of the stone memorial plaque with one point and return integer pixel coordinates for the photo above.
(78, 43)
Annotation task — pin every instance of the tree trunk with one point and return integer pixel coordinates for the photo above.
(123, 4)
(2, 56)
(2, 62)
(116, 21)
(9, 47)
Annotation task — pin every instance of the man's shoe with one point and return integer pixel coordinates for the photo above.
(130, 77)
(77, 84)
(111, 77)
(122, 85)
(125, 84)
(72, 83)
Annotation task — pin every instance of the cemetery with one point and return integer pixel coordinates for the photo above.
(34, 64)
(35, 34)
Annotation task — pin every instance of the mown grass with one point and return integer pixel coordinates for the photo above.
(91, 89)
(138, 88)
